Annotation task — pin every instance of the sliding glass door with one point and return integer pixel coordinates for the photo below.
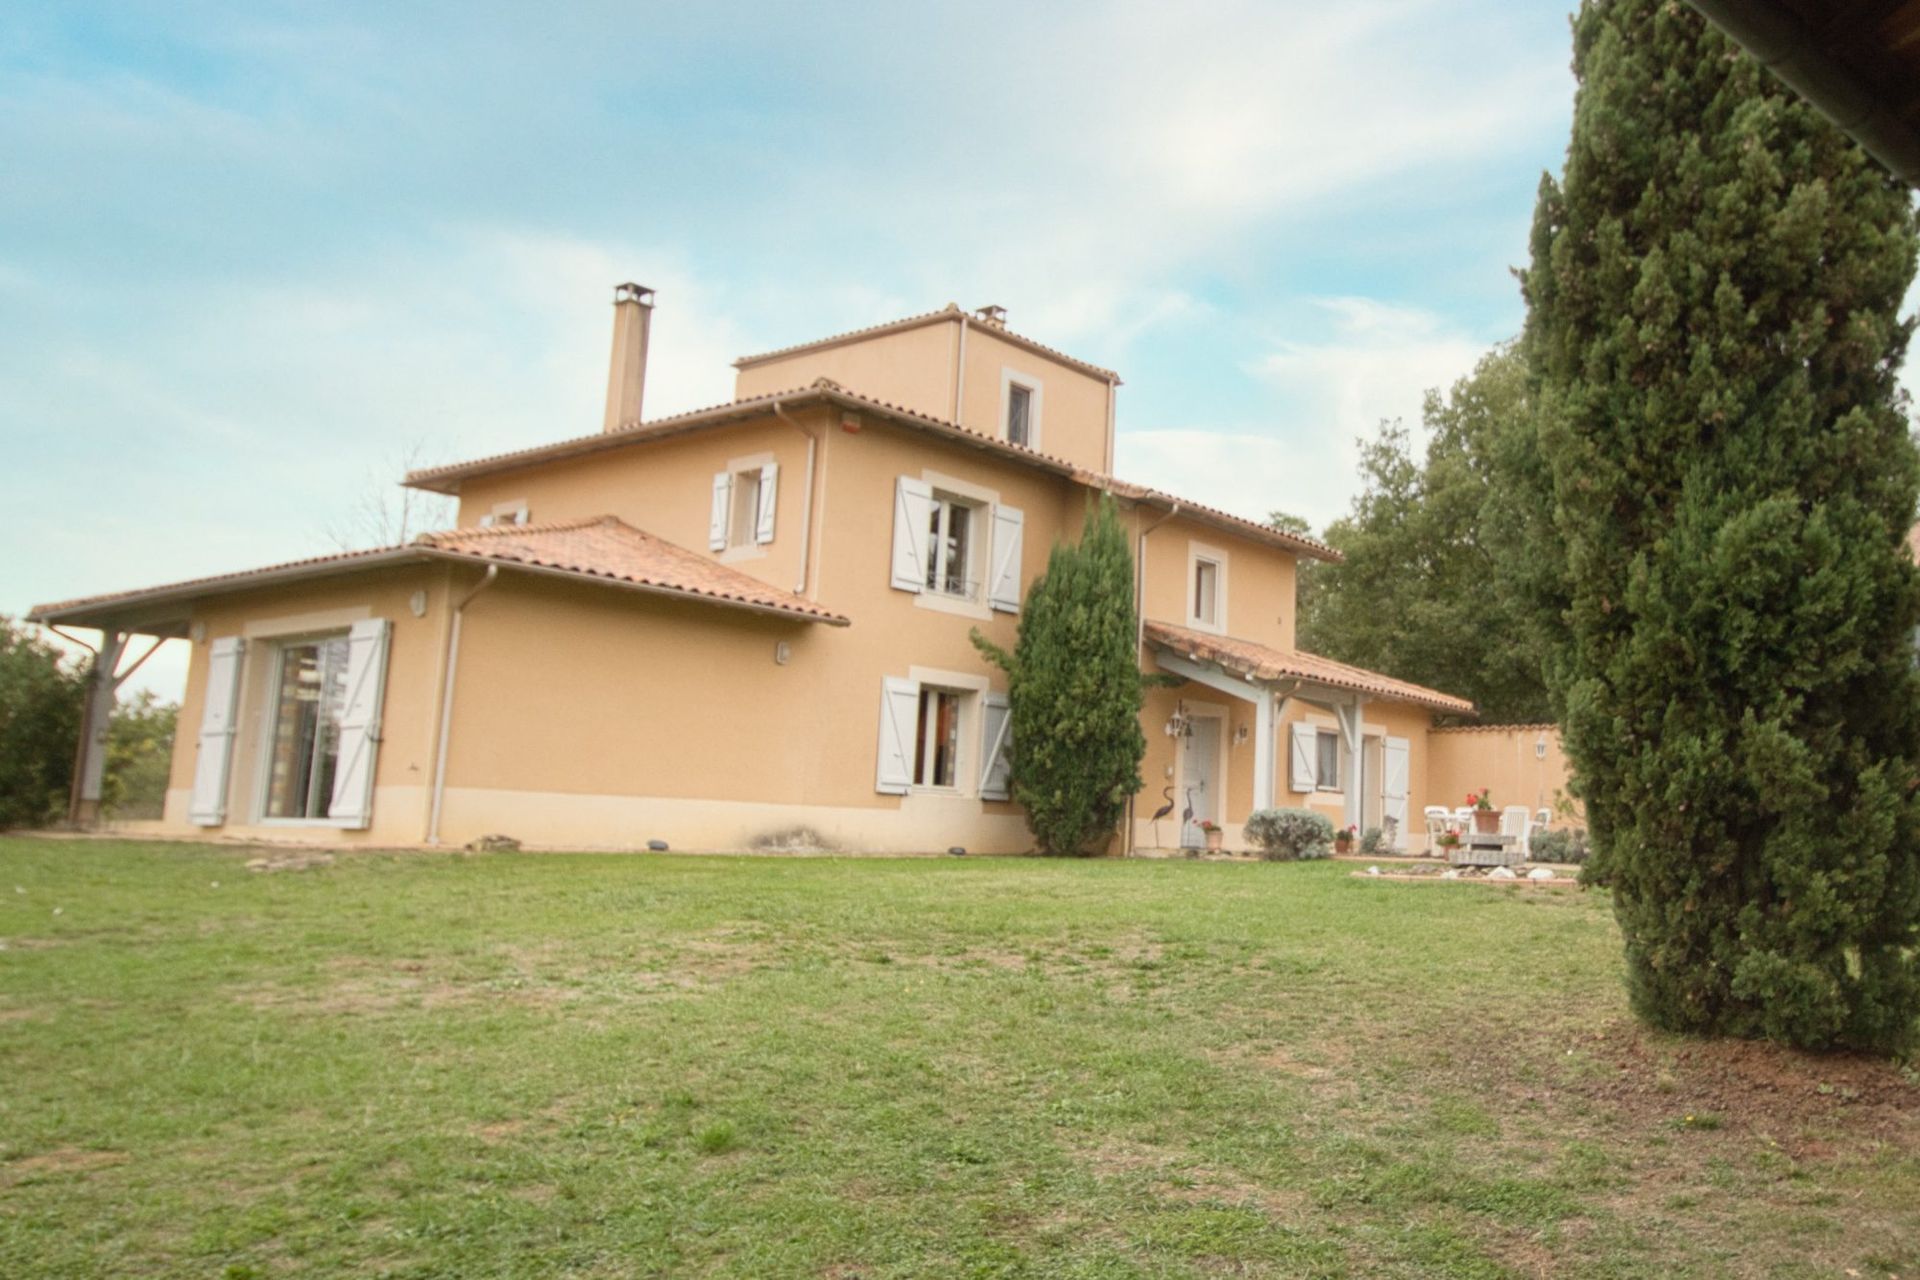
(310, 690)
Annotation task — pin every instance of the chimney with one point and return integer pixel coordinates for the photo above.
(995, 316)
(627, 372)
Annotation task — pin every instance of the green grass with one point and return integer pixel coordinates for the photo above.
(538, 1065)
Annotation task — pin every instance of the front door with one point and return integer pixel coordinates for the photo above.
(1199, 779)
(1393, 788)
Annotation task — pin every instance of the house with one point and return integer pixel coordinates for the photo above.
(725, 626)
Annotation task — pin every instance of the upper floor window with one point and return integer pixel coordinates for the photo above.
(950, 546)
(1020, 409)
(1019, 413)
(1206, 589)
(745, 497)
(505, 513)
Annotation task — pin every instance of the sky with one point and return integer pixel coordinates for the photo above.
(255, 257)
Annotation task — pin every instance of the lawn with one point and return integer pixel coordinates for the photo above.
(541, 1065)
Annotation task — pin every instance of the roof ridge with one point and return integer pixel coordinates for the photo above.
(952, 310)
(431, 537)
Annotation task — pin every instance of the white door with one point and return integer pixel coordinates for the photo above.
(1393, 788)
(1199, 779)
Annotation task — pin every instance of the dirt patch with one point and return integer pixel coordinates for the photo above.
(290, 860)
(18, 1015)
(59, 1161)
(31, 944)
(1174, 1175)
(1751, 1085)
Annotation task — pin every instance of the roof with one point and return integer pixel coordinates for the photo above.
(947, 314)
(1859, 65)
(1263, 663)
(599, 549)
(446, 479)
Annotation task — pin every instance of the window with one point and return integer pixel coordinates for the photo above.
(744, 517)
(937, 753)
(310, 695)
(505, 513)
(1206, 591)
(1019, 414)
(950, 537)
(1327, 763)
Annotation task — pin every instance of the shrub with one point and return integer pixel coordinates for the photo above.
(41, 693)
(1287, 835)
(1374, 842)
(1075, 685)
(1565, 844)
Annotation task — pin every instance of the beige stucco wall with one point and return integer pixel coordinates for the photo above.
(1521, 764)
(410, 711)
(1259, 587)
(914, 368)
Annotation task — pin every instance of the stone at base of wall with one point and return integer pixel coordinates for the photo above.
(559, 820)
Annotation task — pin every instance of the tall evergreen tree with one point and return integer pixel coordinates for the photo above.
(1075, 686)
(1728, 600)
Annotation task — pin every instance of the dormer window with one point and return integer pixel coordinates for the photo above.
(505, 513)
(1020, 409)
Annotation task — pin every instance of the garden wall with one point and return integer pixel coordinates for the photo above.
(1521, 763)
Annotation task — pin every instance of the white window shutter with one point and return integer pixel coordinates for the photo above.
(996, 739)
(763, 519)
(352, 802)
(912, 514)
(208, 807)
(1306, 747)
(717, 522)
(1009, 528)
(899, 725)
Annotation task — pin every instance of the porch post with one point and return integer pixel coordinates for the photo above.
(1349, 716)
(96, 720)
(1263, 749)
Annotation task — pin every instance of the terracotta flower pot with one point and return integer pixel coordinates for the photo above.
(1486, 821)
(1213, 840)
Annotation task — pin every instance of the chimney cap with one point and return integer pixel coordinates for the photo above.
(631, 292)
(993, 315)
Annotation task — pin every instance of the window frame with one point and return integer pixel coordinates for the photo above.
(945, 502)
(268, 721)
(1198, 554)
(738, 512)
(1036, 397)
(1321, 737)
(506, 513)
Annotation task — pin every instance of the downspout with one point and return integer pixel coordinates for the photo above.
(1111, 390)
(1140, 632)
(446, 700)
(806, 506)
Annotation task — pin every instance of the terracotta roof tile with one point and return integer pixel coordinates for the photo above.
(1264, 663)
(446, 479)
(599, 548)
(609, 548)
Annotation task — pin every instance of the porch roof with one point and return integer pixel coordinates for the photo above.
(602, 550)
(1260, 662)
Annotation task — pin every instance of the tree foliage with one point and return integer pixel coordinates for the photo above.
(1717, 571)
(41, 693)
(139, 756)
(1420, 594)
(1075, 688)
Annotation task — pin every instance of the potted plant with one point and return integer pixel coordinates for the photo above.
(1343, 840)
(1486, 820)
(1448, 840)
(1213, 834)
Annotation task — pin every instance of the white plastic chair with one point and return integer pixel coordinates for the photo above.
(1439, 818)
(1464, 816)
(1517, 820)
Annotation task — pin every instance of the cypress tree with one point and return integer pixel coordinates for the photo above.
(1724, 455)
(1075, 689)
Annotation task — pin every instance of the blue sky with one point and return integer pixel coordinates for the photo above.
(251, 255)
